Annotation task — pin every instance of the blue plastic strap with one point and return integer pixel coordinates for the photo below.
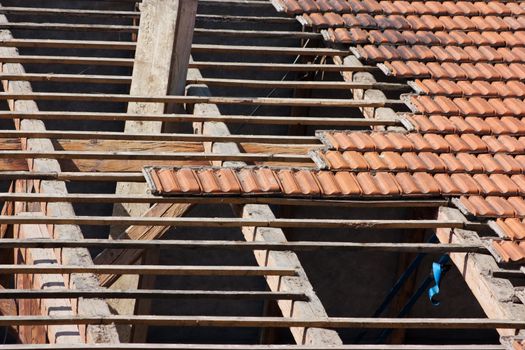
(437, 270)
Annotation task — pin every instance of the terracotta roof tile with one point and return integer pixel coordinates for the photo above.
(446, 185)
(355, 160)
(375, 162)
(489, 163)
(505, 184)
(427, 184)
(433, 142)
(407, 184)
(452, 163)
(478, 206)
(394, 161)
(457, 144)
(519, 180)
(519, 207)
(328, 183)
(513, 228)
(308, 5)
(510, 251)
(488, 186)
(348, 183)
(501, 205)
(414, 162)
(336, 161)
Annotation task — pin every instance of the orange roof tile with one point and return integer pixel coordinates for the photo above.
(510, 251)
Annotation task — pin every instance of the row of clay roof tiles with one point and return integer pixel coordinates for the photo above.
(471, 88)
(470, 8)
(497, 166)
(512, 228)
(415, 142)
(320, 184)
(500, 127)
(417, 22)
(472, 54)
(474, 106)
(436, 23)
(456, 71)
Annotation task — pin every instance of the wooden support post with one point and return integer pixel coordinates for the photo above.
(161, 63)
(88, 307)
(166, 29)
(495, 295)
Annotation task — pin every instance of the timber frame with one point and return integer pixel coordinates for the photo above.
(164, 110)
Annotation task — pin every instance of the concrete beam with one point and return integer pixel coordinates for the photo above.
(87, 307)
(495, 295)
(300, 284)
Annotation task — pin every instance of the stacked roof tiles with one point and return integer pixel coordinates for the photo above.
(466, 62)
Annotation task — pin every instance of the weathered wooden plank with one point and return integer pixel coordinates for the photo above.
(243, 245)
(70, 27)
(279, 84)
(266, 101)
(118, 165)
(259, 347)
(187, 156)
(163, 270)
(242, 222)
(110, 198)
(8, 305)
(292, 67)
(144, 293)
(174, 118)
(278, 322)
